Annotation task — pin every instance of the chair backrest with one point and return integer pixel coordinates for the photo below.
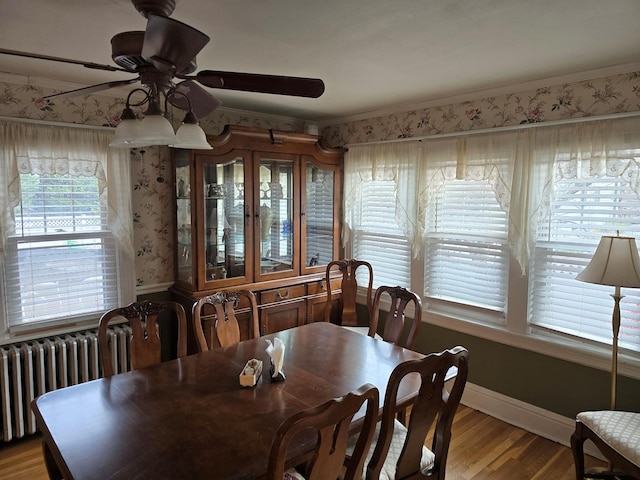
(434, 404)
(395, 320)
(146, 348)
(215, 318)
(329, 424)
(349, 287)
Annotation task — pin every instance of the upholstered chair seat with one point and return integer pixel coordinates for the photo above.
(393, 455)
(617, 436)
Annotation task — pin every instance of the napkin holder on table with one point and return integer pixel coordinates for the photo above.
(251, 373)
(275, 351)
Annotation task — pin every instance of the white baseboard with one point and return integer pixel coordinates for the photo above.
(524, 415)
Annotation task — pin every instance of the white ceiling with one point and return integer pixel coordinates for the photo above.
(373, 55)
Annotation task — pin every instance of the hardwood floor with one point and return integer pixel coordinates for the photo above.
(22, 460)
(482, 448)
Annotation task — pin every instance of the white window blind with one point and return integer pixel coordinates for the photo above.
(378, 239)
(581, 213)
(466, 256)
(62, 262)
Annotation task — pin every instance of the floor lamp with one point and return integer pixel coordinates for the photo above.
(615, 263)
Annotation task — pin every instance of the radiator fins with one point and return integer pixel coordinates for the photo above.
(29, 369)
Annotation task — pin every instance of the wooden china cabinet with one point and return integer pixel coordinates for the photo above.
(260, 211)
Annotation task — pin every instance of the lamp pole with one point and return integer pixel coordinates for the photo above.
(615, 323)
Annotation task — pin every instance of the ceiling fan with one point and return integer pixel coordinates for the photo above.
(166, 51)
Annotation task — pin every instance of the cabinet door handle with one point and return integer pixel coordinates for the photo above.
(323, 286)
(279, 296)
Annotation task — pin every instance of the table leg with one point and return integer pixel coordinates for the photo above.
(52, 467)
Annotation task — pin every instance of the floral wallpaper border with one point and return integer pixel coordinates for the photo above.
(601, 96)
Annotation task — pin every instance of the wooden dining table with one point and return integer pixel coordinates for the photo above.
(190, 419)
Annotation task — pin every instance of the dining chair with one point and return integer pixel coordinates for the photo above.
(349, 290)
(215, 318)
(394, 323)
(146, 348)
(617, 435)
(325, 429)
(400, 451)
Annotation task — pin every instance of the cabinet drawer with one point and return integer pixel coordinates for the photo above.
(284, 294)
(316, 288)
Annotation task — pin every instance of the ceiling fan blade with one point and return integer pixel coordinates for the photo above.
(202, 102)
(169, 44)
(91, 65)
(253, 82)
(94, 88)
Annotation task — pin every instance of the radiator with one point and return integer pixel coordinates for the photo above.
(29, 369)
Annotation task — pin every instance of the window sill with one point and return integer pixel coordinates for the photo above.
(29, 332)
(558, 347)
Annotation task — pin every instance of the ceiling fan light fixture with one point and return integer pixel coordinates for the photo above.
(190, 135)
(128, 131)
(155, 129)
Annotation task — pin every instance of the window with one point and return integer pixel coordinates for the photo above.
(62, 262)
(466, 208)
(378, 239)
(381, 187)
(466, 255)
(504, 222)
(67, 244)
(583, 211)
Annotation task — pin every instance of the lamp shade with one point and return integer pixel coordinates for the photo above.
(126, 133)
(156, 130)
(191, 136)
(616, 263)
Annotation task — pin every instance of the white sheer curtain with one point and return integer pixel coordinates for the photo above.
(35, 148)
(487, 157)
(398, 162)
(586, 151)
(521, 167)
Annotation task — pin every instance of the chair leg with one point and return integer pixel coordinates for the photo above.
(577, 447)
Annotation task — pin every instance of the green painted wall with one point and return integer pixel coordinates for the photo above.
(556, 385)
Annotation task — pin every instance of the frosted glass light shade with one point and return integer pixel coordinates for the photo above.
(616, 263)
(156, 130)
(191, 136)
(127, 135)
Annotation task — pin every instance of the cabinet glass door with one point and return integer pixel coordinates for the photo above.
(318, 217)
(184, 257)
(275, 205)
(225, 221)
